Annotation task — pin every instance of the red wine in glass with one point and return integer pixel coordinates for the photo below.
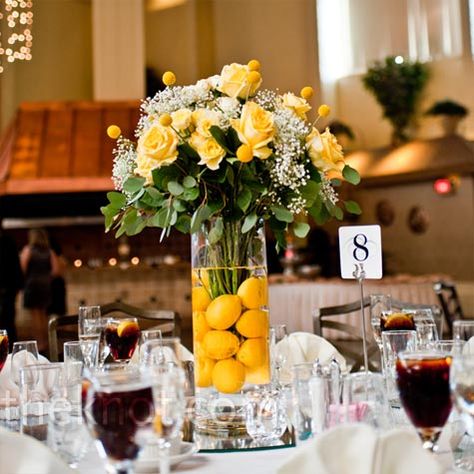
(423, 384)
(3, 347)
(117, 417)
(122, 336)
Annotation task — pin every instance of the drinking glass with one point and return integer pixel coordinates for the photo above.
(423, 384)
(23, 353)
(89, 329)
(462, 389)
(426, 330)
(265, 415)
(302, 401)
(162, 351)
(149, 335)
(395, 342)
(119, 412)
(449, 346)
(278, 332)
(464, 331)
(170, 403)
(3, 347)
(379, 303)
(396, 321)
(121, 336)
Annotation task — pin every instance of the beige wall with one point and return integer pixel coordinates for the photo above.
(61, 68)
(448, 245)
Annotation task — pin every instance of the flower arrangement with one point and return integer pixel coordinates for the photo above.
(222, 149)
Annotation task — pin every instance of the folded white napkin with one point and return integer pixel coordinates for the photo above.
(301, 347)
(21, 454)
(359, 449)
(9, 390)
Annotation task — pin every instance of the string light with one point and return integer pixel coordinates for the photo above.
(18, 17)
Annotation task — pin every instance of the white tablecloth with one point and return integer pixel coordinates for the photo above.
(292, 303)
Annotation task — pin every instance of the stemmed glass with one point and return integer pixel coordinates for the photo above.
(464, 331)
(119, 410)
(278, 332)
(423, 385)
(121, 336)
(379, 303)
(3, 347)
(23, 353)
(161, 351)
(170, 403)
(89, 329)
(149, 335)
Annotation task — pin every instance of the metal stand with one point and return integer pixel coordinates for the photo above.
(359, 274)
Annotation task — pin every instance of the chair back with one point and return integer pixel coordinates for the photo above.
(449, 301)
(63, 328)
(350, 344)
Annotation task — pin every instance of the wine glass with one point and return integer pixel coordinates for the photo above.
(379, 303)
(119, 412)
(462, 388)
(3, 347)
(121, 336)
(464, 331)
(23, 353)
(149, 335)
(278, 332)
(169, 400)
(166, 350)
(423, 385)
(89, 330)
(426, 330)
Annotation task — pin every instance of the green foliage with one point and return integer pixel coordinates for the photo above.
(397, 88)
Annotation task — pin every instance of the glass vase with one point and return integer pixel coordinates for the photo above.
(230, 321)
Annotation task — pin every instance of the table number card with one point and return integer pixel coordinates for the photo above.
(361, 244)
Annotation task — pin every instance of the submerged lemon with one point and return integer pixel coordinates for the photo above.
(259, 374)
(228, 376)
(220, 344)
(200, 299)
(126, 328)
(223, 311)
(253, 323)
(200, 326)
(204, 367)
(253, 352)
(253, 292)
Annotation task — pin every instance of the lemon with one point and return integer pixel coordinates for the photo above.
(220, 344)
(253, 323)
(253, 292)
(259, 374)
(200, 298)
(200, 326)
(228, 376)
(253, 352)
(223, 311)
(204, 367)
(127, 328)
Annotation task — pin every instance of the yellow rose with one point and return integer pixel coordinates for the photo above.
(255, 128)
(203, 119)
(156, 147)
(210, 152)
(299, 105)
(235, 81)
(182, 119)
(324, 151)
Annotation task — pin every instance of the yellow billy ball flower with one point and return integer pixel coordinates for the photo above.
(113, 131)
(254, 77)
(166, 120)
(307, 92)
(169, 78)
(324, 110)
(244, 153)
(253, 65)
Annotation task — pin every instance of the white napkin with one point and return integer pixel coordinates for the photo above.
(468, 348)
(185, 354)
(21, 454)
(358, 449)
(301, 347)
(9, 391)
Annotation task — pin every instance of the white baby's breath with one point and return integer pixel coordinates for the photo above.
(124, 162)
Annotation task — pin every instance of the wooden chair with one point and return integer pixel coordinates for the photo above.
(449, 301)
(325, 318)
(63, 328)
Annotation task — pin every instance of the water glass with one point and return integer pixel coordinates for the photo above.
(464, 331)
(23, 353)
(265, 415)
(149, 335)
(277, 333)
(162, 351)
(449, 346)
(395, 342)
(302, 401)
(89, 329)
(378, 303)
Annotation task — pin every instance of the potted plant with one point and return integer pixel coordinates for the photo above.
(397, 85)
(450, 113)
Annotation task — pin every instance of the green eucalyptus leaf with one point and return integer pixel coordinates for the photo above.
(183, 224)
(249, 222)
(190, 194)
(353, 207)
(133, 184)
(282, 214)
(118, 200)
(137, 196)
(215, 234)
(351, 175)
(320, 214)
(280, 240)
(152, 197)
(189, 182)
(310, 192)
(301, 229)
(175, 188)
(201, 214)
(159, 219)
(179, 205)
(244, 199)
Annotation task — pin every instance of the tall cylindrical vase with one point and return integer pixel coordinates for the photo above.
(230, 320)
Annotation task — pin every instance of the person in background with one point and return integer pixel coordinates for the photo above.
(58, 304)
(11, 282)
(40, 264)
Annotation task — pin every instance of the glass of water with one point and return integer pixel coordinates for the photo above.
(89, 329)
